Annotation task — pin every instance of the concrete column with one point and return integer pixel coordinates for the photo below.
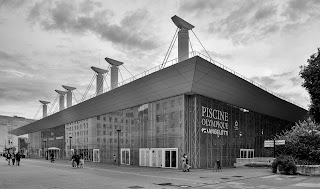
(114, 71)
(99, 83)
(44, 108)
(69, 95)
(183, 44)
(61, 99)
(114, 76)
(183, 37)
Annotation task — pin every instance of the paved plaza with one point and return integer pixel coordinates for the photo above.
(41, 174)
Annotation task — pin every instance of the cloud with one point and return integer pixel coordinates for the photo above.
(273, 81)
(245, 23)
(298, 10)
(217, 55)
(267, 81)
(296, 80)
(12, 3)
(132, 32)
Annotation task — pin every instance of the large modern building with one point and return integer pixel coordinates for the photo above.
(191, 106)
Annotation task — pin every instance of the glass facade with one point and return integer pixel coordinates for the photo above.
(217, 130)
(203, 128)
(53, 138)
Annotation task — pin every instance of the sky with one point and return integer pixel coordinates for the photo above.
(45, 44)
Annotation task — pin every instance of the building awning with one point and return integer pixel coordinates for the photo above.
(192, 76)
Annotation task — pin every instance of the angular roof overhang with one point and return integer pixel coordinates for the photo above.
(192, 76)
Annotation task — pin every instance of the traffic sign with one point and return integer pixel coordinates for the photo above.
(270, 143)
(280, 142)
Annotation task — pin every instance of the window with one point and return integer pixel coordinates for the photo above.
(158, 106)
(115, 119)
(104, 132)
(110, 119)
(172, 103)
(104, 118)
(157, 118)
(104, 126)
(165, 105)
(98, 117)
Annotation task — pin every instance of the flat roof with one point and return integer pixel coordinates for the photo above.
(192, 76)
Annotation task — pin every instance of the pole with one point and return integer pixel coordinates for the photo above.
(70, 144)
(118, 149)
(274, 148)
(119, 130)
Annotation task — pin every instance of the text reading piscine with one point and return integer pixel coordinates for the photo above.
(216, 119)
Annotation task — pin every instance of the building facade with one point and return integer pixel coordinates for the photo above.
(158, 133)
(7, 124)
(193, 107)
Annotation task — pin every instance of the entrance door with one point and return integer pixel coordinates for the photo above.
(96, 155)
(156, 157)
(171, 158)
(125, 156)
(144, 159)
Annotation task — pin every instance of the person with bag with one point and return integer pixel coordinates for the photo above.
(184, 163)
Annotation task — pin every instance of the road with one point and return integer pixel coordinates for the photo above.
(41, 174)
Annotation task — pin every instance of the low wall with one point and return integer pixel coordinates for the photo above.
(308, 169)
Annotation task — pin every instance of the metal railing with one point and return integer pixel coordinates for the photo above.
(192, 54)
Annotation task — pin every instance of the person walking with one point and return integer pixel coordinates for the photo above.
(73, 157)
(18, 157)
(77, 160)
(114, 159)
(13, 158)
(187, 163)
(52, 157)
(8, 157)
(184, 164)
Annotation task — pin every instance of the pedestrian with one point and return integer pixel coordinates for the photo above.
(77, 160)
(13, 158)
(114, 159)
(8, 157)
(52, 158)
(18, 156)
(187, 164)
(73, 157)
(184, 164)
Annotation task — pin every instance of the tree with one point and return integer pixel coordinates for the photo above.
(302, 142)
(311, 76)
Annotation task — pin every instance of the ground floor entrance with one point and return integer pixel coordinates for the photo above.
(159, 157)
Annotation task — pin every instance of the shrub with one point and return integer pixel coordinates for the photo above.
(258, 165)
(285, 164)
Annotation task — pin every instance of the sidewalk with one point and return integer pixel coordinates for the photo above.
(198, 175)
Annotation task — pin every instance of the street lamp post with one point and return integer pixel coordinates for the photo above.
(118, 130)
(70, 137)
(28, 147)
(45, 152)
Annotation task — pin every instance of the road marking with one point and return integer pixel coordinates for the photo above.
(317, 185)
